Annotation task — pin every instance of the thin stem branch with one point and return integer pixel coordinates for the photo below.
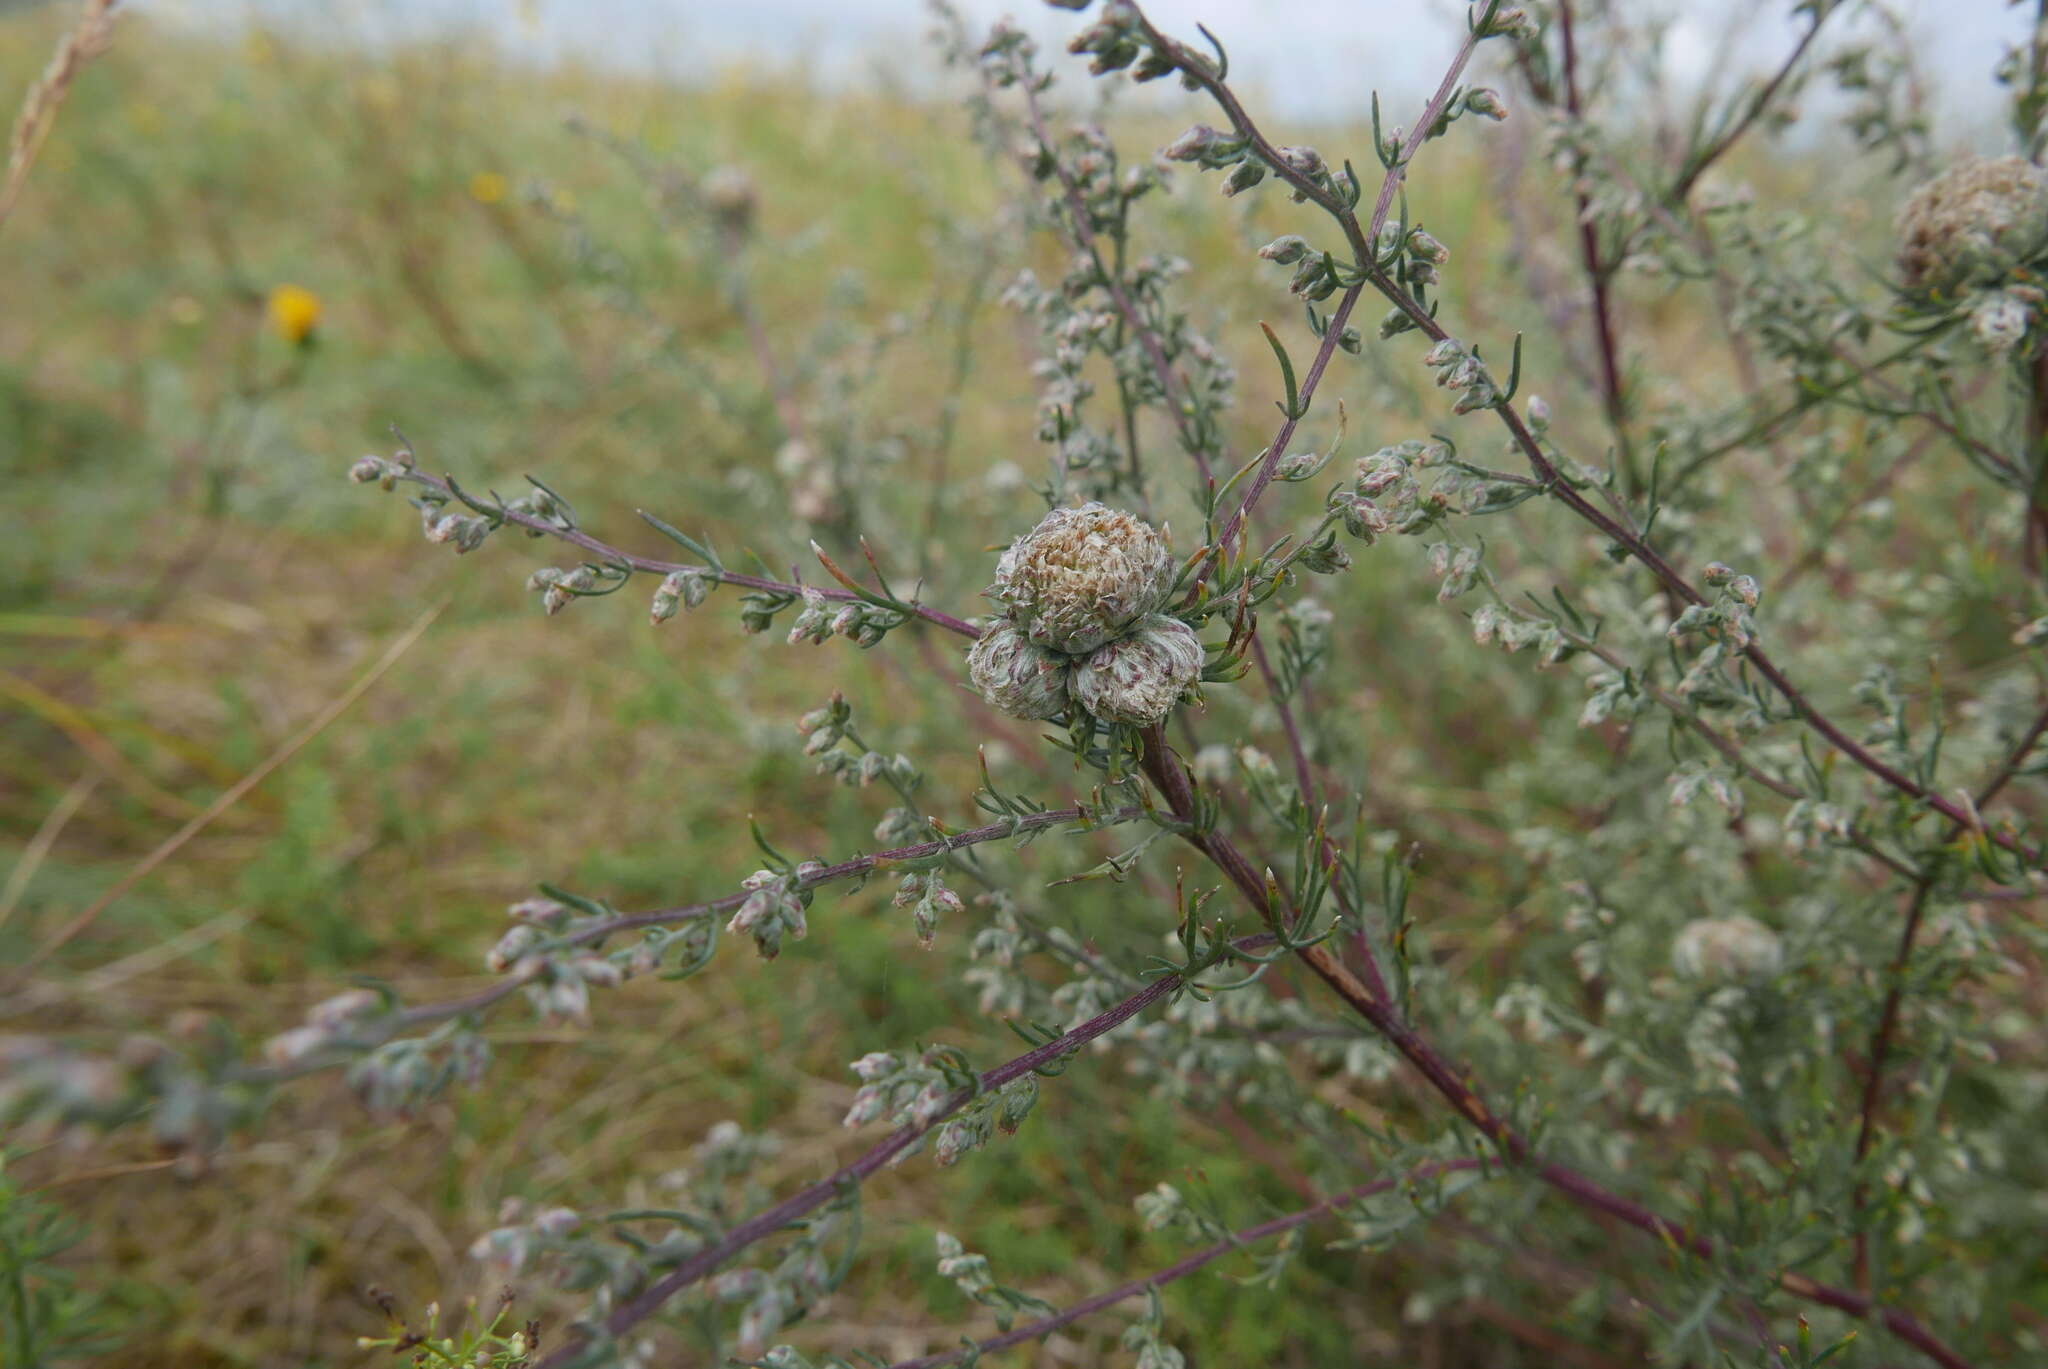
(427, 1013)
(1598, 274)
(1173, 386)
(1733, 134)
(1361, 241)
(808, 1200)
(1895, 979)
(1270, 467)
(606, 552)
(1181, 1268)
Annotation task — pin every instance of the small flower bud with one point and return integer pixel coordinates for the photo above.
(1285, 250)
(667, 598)
(1190, 145)
(1243, 177)
(1020, 678)
(344, 1010)
(1138, 679)
(557, 1221)
(300, 1043)
(511, 947)
(2000, 321)
(1364, 519)
(1299, 466)
(1305, 160)
(1483, 101)
(730, 195)
(1427, 248)
(540, 912)
(1445, 353)
(1212, 764)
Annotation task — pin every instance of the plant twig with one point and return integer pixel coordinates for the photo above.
(1187, 1265)
(92, 36)
(426, 1014)
(802, 1203)
(606, 552)
(1598, 272)
(1895, 978)
(1173, 386)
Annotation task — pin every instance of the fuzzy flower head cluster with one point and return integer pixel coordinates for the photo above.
(1081, 595)
(1973, 225)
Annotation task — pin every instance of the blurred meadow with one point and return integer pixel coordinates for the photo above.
(187, 581)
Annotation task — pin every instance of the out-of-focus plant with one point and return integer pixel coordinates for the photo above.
(1747, 1073)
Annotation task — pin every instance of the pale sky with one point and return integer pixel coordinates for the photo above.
(1322, 60)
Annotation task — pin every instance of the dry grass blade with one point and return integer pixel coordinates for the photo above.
(231, 795)
(38, 848)
(39, 108)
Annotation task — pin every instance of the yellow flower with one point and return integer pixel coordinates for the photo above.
(488, 187)
(293, 311)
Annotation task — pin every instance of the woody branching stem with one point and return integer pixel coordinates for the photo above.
(1097, 645)
(1454, 1083)
(1199, 70)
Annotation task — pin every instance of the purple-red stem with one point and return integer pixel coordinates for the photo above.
(806, 1201)
(1453, 1083)
(1589, 253)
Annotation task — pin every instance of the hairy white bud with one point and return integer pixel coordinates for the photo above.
(1138, 679)
(2000, 321)
(1023, 680)
(1083, 576)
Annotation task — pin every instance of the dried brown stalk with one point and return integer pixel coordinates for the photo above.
(93, 35)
